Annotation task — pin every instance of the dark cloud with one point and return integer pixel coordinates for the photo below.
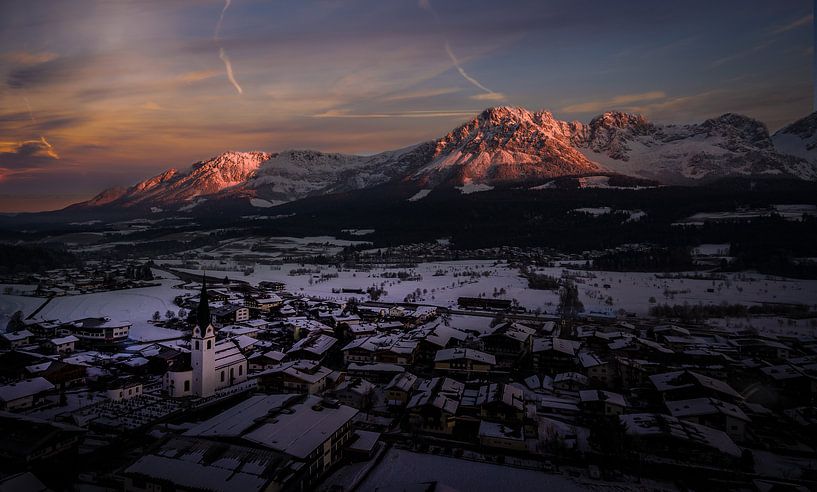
(32, 154)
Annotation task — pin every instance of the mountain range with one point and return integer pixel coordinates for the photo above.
(501, 146)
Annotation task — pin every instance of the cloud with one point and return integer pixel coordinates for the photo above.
(489, 96)
(804, 21)
(28, 58)
(340, 113)
(422, 94)
(23, 157)
(618, 102)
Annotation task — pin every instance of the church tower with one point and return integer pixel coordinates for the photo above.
(203, 348)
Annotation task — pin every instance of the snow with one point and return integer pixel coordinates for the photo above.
(419, 195)
(469, 188)
(401, 468)
(135, 305)
(261, 203)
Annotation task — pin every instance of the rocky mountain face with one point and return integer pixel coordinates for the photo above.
(172, 187)
(500, 145)
(506, 145)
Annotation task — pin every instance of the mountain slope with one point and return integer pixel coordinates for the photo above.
(727, 146)
(500, 145)
(173, 187)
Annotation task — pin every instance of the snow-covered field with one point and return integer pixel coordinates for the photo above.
(9, 304)
(134, 305)
(603, 292)
(403, 470)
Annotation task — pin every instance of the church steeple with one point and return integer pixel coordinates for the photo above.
(203, 311)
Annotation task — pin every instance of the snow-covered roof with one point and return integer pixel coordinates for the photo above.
(25, 388)
(302, 429)
(16, 336)
(202, 465)
(500, 431)
(464, 353)
(704, 406)
(654, 424)
(315, 343)
(686, 379)
(404, 381)
(64, 340)
(237, 419)
(605, 396)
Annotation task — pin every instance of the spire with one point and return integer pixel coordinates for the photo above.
(203, 311)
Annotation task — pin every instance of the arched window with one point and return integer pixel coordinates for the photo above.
(222, 376)
(209, 344)
(197, 345)
(240, 370)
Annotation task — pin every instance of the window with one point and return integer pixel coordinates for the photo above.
(187, 385)
(222, 376)
(197, 345)
(240, 370)
(209, 344)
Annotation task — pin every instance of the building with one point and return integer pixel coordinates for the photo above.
(16, 339)
(464, 361)
(62, 345)
(298, 376)
(100, 330)
(399, 389)
(712, 412)
(230, 313)
(214, 365)
(598, 402)
(309, 430)
(24, 394)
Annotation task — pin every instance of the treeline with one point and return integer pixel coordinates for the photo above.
(34, 259)
(702, 311)
(656, 259)
(773, 258)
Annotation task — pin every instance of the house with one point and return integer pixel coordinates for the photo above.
(501, 402)
(378, 372)
(264, 304)
(24, 394)
(502, 436)
(27, 440)
(596, 369)
(672, 438)
(62, 345)
(399, 389)
(16, 339)
(265, 360)
(712, 412)
(553, 355)
(681, 385)
(124, 389)
(602, 403)
(355, 392)
(299, 376)
(570, 381)
(315, 346)
(464, 361)
(509, 342)
(230, 313)
(433, 408)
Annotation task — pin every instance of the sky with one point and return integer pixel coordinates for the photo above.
(100, 93)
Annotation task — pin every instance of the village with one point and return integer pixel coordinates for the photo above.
(260, 385)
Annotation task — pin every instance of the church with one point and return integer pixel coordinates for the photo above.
(214, 365)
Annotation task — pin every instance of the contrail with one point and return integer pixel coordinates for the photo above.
(463, 72)
(426, 5)
(50, 150)
(223, 54)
